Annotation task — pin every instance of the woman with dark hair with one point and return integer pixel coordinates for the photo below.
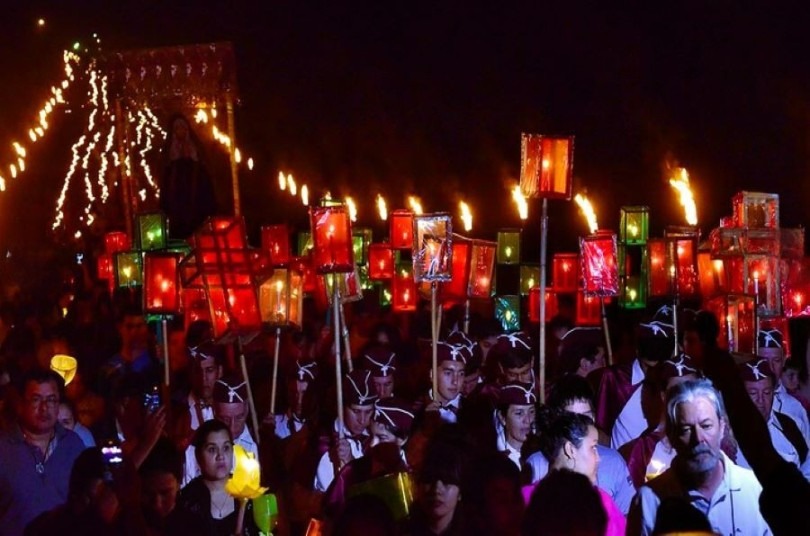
(205, 496)
(568, 441)
(565, 503)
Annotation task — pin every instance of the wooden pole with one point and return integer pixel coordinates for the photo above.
(237, 207)
(274, 386)
(253, 417)
(344, 331)
(434, 339)
(542, 342)
(606, 330)
(338, 371)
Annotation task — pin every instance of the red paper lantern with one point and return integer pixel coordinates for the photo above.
(304, 265)
(458, 286)
(565, 272)
(333, 250)
(756, 210)
(161, 285)
(600, 269)
(281, 298)
(547, 166)
(115, 242)
(432, 248)
(222, 232)
(711, 274)
(401, 230)
(660, 274)
(482, 267)
(589, 309)
(403, 290)
(737, 318)
(534, 304)
(195, 306)
(682, 248)
(759, 276)
(104, 267)
(276, 241)
(380, 262)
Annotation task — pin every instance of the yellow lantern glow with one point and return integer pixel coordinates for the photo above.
(245, 482)
(65, 366)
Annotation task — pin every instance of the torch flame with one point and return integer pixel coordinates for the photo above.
(681, 183)
(352, 206)
(466, 215)
(282, 181)
(305, 195)
(382, 208)
(520, 201)
(292, 186)
(587, 211)
(416, 205)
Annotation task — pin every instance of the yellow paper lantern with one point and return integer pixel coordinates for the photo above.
(245, 481)
(65, 366)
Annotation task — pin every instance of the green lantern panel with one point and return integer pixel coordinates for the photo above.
(509, 246)
(507, 312)
(151, 231)
(634, 225)
(529, 277)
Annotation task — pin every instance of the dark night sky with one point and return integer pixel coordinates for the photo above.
(431, 98)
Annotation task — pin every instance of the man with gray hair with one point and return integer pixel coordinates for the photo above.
(701, 474)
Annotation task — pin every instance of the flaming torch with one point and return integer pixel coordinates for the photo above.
(291, 185)
(416, 205)
(382, 208)
(466, 215)
(352, 206)
(681, 183)
(282, 181)
(520, 201)
(586, 208)
(305, 195)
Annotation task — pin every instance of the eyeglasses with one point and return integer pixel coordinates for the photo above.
(36, 401)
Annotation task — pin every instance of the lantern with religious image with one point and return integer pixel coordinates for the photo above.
(432, 247)
(736, 315)
(151, 231)
(482, 268)
(529, 278)
(304, 243)
(546, 166)
(332, 239)
(756, 210)
(380, 262)
(682, 249)
(565, 272)
(401, 229)
(161, 287)
(534, 304)
(65, 366)
(589, 309)
(634, 225)
(128, 269)
(600, 269)
(276, 241)
(281, 298)
(404, 295)
(507, 312)
(509, 246)
(116, 242)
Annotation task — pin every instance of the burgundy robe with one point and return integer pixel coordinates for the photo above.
(613, 387)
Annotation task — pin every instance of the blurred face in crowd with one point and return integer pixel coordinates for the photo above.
(295, 391)
(518, 423)
(761, 393)
(204, 375)
(159, 494)
(357, 418)
(65, 417)
(470, 382)
(790, 379)
(485, 344)
(776, 359)
(586, 366)
(134, 332)
(585, 458)
(451, 378)
(383, 386)
(216, 457)
(522, 374)
(438, 500)
(234, 415)
(39, 407)
(691, 344)
(383, 433)
(696, 434)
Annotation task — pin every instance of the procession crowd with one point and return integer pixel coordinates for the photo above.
(661, 442)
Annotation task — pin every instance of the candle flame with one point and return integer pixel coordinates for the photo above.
(416, 205)
(587, 210)
(282, 181)
(305, 195)
(291, 185)
(382, 208)
(681, 183)
(520, 201)
(352, 206)
(466, 215)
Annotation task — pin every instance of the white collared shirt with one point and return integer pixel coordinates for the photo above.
(448, 415)
(326, 469)
(783, 446)
(282, 427)
(786, 403)
(631, 422)
(206, 411)
(513, 454)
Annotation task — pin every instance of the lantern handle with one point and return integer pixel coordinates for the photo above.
(251, 404)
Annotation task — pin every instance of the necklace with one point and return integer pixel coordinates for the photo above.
(40, 464)
(220, 508)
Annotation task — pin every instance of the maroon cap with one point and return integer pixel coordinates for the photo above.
(230, 390)
(396, 413)
(517, 393)
(380, 361)
(755, 370)
(578, 341)
(452, 352)
(305, 371)
(357, 388)
(677, 367)
(459, 338)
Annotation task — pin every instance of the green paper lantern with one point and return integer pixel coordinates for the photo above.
(529, 277)
(128, 269)
(633, 292)
(509, 246)
(150, 231)
(305, 243)
(634, 225)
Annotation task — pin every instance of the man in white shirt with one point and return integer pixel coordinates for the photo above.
(298, 386)
(785, 435)
(771, 349)
(701, 474)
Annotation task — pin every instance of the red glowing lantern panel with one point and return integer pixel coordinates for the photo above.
(380, 262)
(685, 266)
(404, 292)
(547, 165)
(195, 306)
(115, 242)
(161, 286)
(660, 274)
(589, 310)
(333, 250)
(737, 318)
(276, 241)
(565, 272)
(482, 267)
(712, 274)
(600, 269)
(534, 304)
(756, 210)
(234, 309)
(304, 265)
(401, 231)
(458, 286)
(432, 248)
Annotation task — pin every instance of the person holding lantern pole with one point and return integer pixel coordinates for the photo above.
(351, 434)
(381, 361)
(451, 360)
(299, 391)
